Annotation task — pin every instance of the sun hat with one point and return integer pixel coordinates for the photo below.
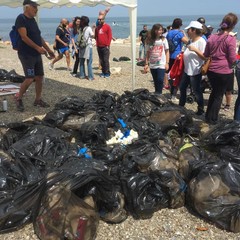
(29, 2)
(194, 24)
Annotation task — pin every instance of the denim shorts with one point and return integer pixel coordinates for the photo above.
(63, 50)
(32, 65)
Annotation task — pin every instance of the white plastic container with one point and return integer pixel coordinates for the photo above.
(5, 105)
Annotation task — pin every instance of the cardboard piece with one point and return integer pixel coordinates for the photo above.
(8, 89)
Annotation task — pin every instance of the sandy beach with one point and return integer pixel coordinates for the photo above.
(174, 224)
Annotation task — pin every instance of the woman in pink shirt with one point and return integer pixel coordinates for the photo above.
(221, 47)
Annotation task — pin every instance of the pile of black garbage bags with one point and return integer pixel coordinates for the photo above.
(10, 76)
(62, 174)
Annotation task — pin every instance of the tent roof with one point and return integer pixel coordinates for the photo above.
(70, 3)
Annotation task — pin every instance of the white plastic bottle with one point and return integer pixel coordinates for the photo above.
(5, 105)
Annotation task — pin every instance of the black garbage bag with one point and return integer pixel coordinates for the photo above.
(147, 193)
(102, 102)
(115, 59)
(224, 140)
(43, 146)
(214, 194)
(188, 153)
(146, 129)
(56, 117)
(21, 187)
(14, 77)
(225, 133)
(12, 132)
(74, 103)
(63, 215)
(149, 157)
(111, 155)
(141, 63)
(92, 177)
(118, 214)
(172, 117)
(44, 151)
(93, 132)
(124, 58)
(75, 121)
(3, 73)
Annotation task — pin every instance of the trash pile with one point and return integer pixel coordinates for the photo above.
(113, 156)
(10, 76)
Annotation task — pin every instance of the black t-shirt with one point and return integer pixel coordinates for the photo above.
(64, 35)
(33, 33)
(143, 35)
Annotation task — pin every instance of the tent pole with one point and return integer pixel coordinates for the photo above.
(133, 34)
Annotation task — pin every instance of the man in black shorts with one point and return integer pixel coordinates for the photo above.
(30, 47)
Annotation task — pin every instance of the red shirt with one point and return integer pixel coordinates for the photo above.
(103, 35)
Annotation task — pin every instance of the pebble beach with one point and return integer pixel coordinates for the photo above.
(166, 224)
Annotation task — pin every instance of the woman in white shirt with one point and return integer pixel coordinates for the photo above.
(87, 51)
(157, 57)
(193, 59)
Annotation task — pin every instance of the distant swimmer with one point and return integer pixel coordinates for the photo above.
(114, 23)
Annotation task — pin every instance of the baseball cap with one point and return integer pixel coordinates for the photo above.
(201, 20)
(29, 2)
(194, 24)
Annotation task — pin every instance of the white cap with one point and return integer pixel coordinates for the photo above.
(233, 33)
(209, 26)
(194, 24)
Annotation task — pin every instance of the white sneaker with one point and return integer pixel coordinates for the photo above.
(174, 99)
(50, 66)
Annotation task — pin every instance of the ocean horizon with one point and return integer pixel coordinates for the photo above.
(120, 25)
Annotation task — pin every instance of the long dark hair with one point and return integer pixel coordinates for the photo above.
(75, 27)
(152, 36)
(84, 21)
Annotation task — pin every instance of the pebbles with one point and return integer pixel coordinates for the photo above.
(171, 224)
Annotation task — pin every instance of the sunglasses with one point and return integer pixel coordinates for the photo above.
(100, 19)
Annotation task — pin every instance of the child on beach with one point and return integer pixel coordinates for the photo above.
(157, 56)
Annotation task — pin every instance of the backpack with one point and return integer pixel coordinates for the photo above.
(15, 37)
(81, 42)
(171, 44)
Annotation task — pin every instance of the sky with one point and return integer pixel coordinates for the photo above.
(145, 8)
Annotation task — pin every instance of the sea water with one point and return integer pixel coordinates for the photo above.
(120, 25)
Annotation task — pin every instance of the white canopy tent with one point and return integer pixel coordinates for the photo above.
(130, 4)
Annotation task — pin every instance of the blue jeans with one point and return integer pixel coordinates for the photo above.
(158, 78)
(89, 66)
(195, 83)
(237, 103)
(142, 48)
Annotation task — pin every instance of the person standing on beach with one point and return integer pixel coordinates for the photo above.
(103, 36)
(221, 47)
(62, 44)
(157, 56)
(74, 36)
(177, 37)
(142, 39)
(30, 48)
(193, 60)
(237, 102)
(86, 53)
(102, 13)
